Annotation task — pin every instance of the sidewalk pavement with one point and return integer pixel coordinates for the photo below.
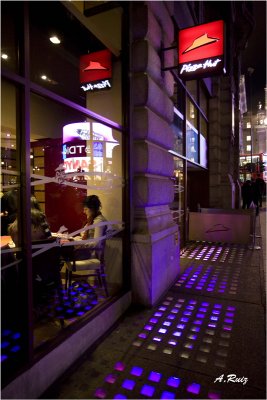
(204, 340)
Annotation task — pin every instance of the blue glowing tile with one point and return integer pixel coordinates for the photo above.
(192, 302)
(16, 335)
(184, 319)
(180, 326)
(111, 378)
(154, 376)
(174, 311)
(4, 345)
(198, 322)
(137, 371)
(217, 306)
(128, 384)
(216, 312)
(190, 307)
(187, 313)
(6, 332)
(205, 304)
(147, 390)
(212, 325)
(119, 366)
(177, 333)
(192, 337)
(167, 395)
(200, 315)
(173, 382)
(120, 396)
(153, 320)
(3, 357)
(171, 317)
(228, 320)
(214, 318)
(15, 349)
(195, 329)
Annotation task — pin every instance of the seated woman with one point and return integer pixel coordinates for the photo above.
(39, 227)
(92, 209)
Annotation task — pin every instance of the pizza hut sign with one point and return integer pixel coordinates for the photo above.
(201, 51)
(96, 70)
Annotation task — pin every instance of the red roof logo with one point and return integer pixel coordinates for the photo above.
(95, 66)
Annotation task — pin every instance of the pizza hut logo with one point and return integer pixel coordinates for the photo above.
(201, 42)
(95, 66)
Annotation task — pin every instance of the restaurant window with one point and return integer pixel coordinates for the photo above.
(203, 142)
(248, 138)
(74, 150)
(191, 113)
(203, 101)
(191, 87)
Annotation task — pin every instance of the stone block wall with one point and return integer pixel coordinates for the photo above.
(155, 253)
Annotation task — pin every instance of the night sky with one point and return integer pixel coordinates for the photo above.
(255, 55)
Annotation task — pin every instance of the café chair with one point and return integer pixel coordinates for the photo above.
(81, 267)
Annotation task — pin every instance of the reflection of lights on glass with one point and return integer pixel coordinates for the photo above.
(55, 40)
(8, 135)
(4, 56)
(44, 77)
(31, 156)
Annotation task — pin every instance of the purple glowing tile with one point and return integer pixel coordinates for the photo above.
(167, 395)
(201, 309)
(228, 320)
(212, 318)
(190, 307)
(128, 384)
(195, 329)
(229, 314)
(221, 291)
(158, 314)
(193, 388)
(119, 366)
(174, 310)
(154, 376)
(111, 378)
(192, 337)
(153, 320)
(216, 312)
(199, 287)
(214, 395)
(171, 316)
(167, 323)
(15, 349)
(205, 304)
(180, 326)
(100, 393)
(136, 371)
(184, 319)
(227, 328)
(200, 315)
(188, 286)
(172, 342)
(230, 308)
(162, 308)
(188, 313)
(177, 333)
(120, 396)
(198, 322)
(142, 335)
(217, 306)
(147, 390)
(148, 327)
(157, 338)
(173, 382)
(192, 302)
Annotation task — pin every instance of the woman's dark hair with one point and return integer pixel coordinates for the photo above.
(92, 202)
(38, 219)
(35, 204)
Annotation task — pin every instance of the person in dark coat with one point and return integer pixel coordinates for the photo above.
(246, 192)
(261, 188)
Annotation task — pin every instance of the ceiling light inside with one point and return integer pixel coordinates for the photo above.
(54, 40)
(4, 56)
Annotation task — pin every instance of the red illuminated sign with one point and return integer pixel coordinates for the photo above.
(96, 70)
(201, 50)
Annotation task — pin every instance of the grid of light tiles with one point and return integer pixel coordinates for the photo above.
(210, 279)
(189, 329)
(213, 252)
(140, 381)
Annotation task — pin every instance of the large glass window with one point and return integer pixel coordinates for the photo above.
(178, 205)
(73, 151)
(177, 126)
